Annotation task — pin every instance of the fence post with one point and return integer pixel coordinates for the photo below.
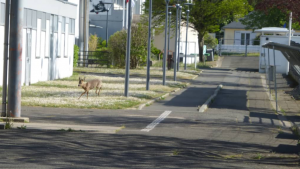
(220, 46)
(275, 85)
(246, 48)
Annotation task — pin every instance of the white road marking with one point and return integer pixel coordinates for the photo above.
(156, 121)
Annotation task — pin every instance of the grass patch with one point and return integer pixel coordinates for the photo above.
(122, 127)
(175, 153)
(22, 127)
(258, 156)
(236, 156)
(8, 123)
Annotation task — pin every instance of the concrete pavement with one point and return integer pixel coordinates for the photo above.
(239, 130)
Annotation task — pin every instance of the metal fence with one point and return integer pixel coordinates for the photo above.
(93, 59)
(238, 47)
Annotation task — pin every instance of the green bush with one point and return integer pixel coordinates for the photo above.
(138, 51)
(76, 52)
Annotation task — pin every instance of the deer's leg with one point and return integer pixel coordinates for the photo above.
(96, 90)
(99, 90)
(82, 94)
(87, 94)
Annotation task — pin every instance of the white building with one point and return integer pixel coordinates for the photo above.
(48, 40)
(277, 35)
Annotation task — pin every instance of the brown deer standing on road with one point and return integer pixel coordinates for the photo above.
(90, 85)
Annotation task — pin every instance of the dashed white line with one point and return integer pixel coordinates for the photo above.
(156, 121)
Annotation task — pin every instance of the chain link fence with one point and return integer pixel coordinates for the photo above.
(238, 47)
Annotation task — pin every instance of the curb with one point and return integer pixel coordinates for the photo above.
(204, 107)
(158, 98)
(283, 120)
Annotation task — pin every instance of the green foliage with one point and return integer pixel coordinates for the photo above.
(258, 19)
(138, 52)
(101, 46)
(93, 42)
(210, 42)
(205, 16)
(76, 52)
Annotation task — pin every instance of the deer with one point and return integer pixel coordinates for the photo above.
(89, 85)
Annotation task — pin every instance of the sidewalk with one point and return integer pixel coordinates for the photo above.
(289, 107)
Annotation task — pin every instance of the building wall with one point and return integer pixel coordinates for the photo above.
(232, 36)
(115, 23)
(159, 41)
(48, 40)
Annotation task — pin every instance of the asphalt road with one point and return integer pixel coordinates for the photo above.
(239, 130)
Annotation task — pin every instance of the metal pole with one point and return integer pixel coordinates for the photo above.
(128, 47)
(149, 45)
(246, 48)
(187, 28)
(5, 58)
(266, 68)
(290, 28)
(220, 47)
(86, 30)
(165, 52)
(176, 40)
(169, 33)
(107, 27)
(178, 57)
(15, 59)
(269, 72)
(275, 85)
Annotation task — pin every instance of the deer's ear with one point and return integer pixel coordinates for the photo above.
(84, 79)
(79, 78)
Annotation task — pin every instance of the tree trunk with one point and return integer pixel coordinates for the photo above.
(200, 43)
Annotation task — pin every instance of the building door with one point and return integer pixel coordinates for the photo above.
(28, 57)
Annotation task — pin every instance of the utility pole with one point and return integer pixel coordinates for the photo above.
(128, 47)
(15, 59)
(5, 58)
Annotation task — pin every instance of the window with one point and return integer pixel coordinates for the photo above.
(245, 38)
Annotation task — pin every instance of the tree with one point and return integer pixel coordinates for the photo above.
(205, 16)
(210, 41)
(285, 6)
(272, 13)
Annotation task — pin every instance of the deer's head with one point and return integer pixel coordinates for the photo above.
(81, 81)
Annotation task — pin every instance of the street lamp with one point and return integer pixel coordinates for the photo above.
(165, 53)
(187, 27)
(180, 7)
(100, 7)
(149, 46)
(170, 13)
